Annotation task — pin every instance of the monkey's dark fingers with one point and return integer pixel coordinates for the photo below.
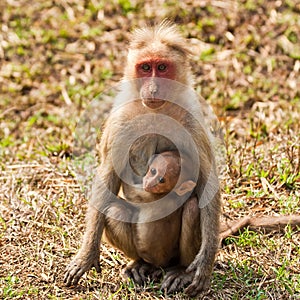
(139, 272)
(199, 284)
(175, 281)
(143, 273)
(156, 274)
(77, 268)
(137, 277)
(73, 274)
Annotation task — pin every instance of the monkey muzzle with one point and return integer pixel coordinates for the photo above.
(152, 187)
(150, 95)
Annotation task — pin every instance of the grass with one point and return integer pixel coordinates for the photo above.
(57, 57)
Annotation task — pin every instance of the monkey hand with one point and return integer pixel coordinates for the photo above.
(195, 280)
(201, 274)
(175, 280)
(82, 262)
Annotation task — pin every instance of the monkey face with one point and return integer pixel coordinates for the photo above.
(154, 183)
(162, 174)
(153, 91)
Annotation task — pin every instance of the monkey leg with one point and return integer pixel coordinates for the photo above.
(122, 235)
(118, 232)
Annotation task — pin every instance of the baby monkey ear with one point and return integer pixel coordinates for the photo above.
(185, 187)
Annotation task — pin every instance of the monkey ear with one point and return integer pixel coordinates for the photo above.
(185, 187)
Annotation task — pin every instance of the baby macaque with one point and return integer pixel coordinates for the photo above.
(163, 174)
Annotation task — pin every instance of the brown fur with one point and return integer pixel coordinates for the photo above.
(191, 224)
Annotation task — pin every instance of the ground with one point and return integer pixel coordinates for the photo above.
(56, 56)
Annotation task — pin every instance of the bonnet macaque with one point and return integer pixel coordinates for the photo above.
(156, 111)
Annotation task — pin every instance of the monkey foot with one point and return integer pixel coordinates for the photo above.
(141, 272)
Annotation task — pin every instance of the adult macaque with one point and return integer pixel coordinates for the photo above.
(155, 111)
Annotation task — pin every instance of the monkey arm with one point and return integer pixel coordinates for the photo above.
(209, 201)
(202, 265)
(88, 255)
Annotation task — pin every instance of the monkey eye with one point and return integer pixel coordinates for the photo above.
(161, 67)
(153, 171)
(146, 67)
(161, 180)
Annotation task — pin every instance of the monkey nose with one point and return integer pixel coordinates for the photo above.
(153, 88)
(153, 91)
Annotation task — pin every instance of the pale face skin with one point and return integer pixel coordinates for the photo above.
(154, 67)
(162, 174)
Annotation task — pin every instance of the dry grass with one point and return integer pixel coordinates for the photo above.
(56, 56)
